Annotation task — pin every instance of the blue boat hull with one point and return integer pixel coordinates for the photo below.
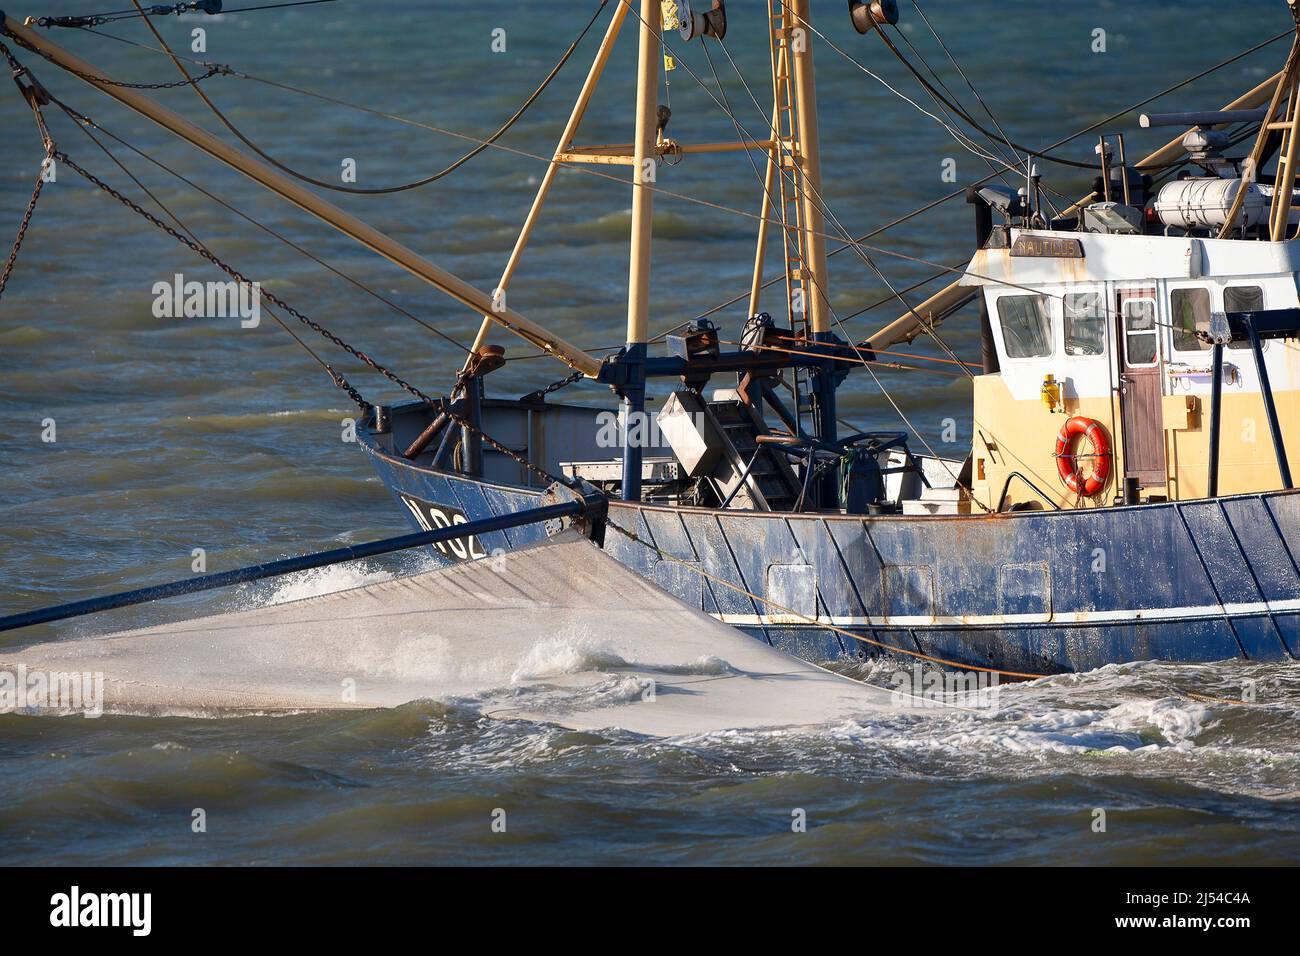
(1029, 592)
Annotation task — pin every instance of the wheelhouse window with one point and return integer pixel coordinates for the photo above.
(1140, 331)
(1242, 298)
(1026, 326)
(1190, 309)
(1085, 323)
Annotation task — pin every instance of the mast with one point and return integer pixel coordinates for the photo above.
(304, 199)
(807, 147)
(808, 155)
(645, 157)
(1286, 98)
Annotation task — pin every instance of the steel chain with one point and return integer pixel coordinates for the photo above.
(213, 69)
(541, 393)
(338, 378)
(33, 95)
(22, 233)
(239, 276)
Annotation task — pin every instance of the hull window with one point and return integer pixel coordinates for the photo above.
(1085, 324)
(1026, 326)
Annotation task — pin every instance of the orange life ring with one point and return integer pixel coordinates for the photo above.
(1069, 467)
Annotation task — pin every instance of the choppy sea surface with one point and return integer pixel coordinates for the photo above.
(177, 434)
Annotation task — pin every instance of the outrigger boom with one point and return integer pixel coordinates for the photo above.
(304, 199)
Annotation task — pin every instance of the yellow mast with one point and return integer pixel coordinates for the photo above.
(645, 159)
(808, 156)
(1286, 94)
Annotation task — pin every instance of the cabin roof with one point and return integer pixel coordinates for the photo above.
(1039, 257)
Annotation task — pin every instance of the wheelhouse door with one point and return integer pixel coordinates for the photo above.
(1141, 413)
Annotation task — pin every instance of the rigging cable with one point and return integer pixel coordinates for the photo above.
(591, 172)
(381, 190)
(929, 88)
(956, 134)
(971, 86)
(211, 7)
(339, 380)
(189, 232)
(82, 119)
(852, 243)
(38, 95)
(1042, 154)
(36, 98)
(817, 288)
(921, 210)
(207, 254)
(839, 323)
(822, 292)
(1012, 162)
(953, 60)
(818, 198)
(407, 121)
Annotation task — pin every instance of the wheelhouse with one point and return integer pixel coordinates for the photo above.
(1116, 328)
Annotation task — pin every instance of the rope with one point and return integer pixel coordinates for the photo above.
(194, 244)
(921, 210)
(855, 361)
(953, 60)
(382, 190)
(802, 188)
(158, 10)
(238, 276)
(334, 375)
(339, 380)
(1011, 161)
(859, 244)
(670, 194)
(930, 89)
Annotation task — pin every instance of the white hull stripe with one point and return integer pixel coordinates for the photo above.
(1066, 618)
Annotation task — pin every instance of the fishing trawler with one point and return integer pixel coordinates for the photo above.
(1128, 493)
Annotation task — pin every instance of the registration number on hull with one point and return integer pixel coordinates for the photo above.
(432, 517)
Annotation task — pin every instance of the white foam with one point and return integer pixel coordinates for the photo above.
(572, 653)
(336, 577)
